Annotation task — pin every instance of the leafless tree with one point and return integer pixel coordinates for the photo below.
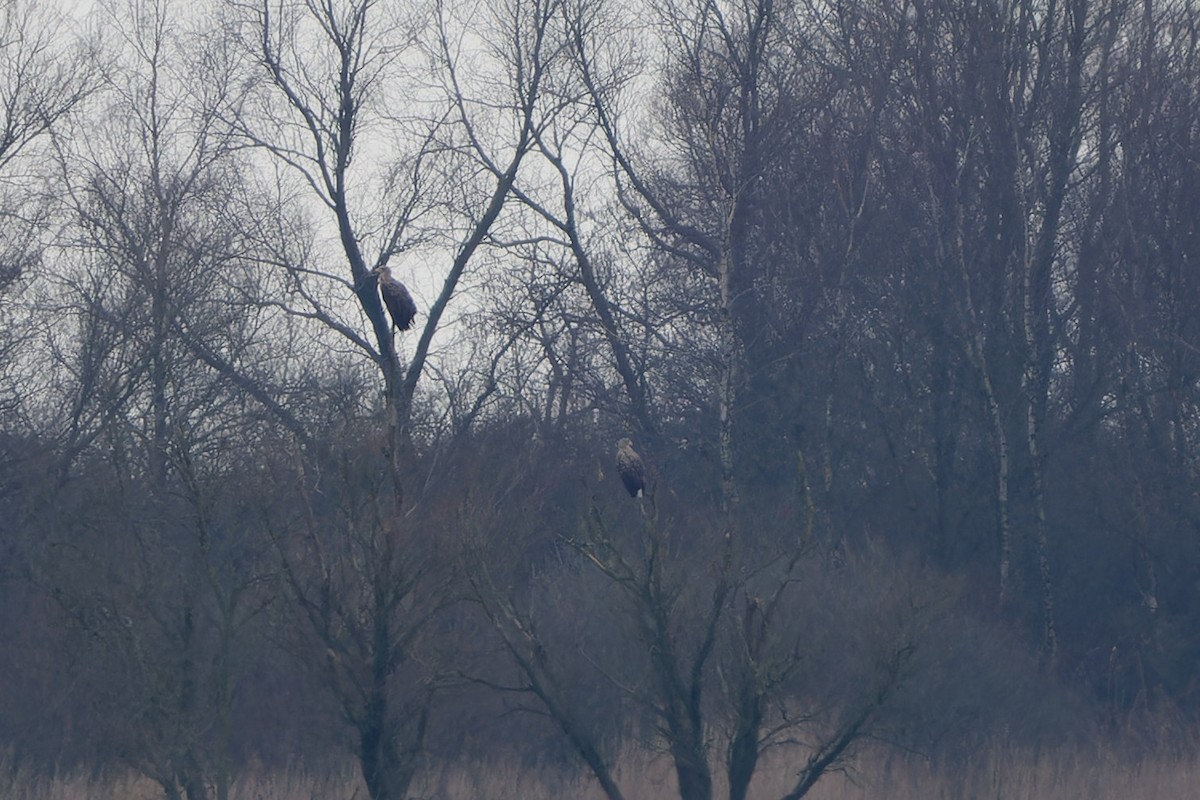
(1018, 126)
(337, 74)
(698, 635)
(155, 345)
(346, 86)
(46, 71)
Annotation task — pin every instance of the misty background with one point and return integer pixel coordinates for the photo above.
(896, 301)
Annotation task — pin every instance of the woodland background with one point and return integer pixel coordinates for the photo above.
(898, 301)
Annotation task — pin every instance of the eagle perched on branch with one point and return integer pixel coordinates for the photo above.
(631, 468)
(399, 302)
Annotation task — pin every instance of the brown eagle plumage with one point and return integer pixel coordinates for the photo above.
(631, 468)
(399, 302)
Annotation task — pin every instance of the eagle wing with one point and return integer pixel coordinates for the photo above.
(398, 301)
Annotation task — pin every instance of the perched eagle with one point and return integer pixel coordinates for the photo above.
(399, 302)
(631, 468)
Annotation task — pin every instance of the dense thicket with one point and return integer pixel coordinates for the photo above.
(895, 300)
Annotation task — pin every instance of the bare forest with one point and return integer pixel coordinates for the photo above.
(892, 301)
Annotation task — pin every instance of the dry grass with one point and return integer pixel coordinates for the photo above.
(1062, 775)
(1099, 774)
(20, 785)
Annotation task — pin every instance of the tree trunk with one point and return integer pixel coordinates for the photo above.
(744, 750)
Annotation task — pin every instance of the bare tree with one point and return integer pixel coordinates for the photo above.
(697, 189)
(347, 87)
(998, 199)
(46, 71)
(152, 259)
(364, 593)
(335, 72)
(695, 632)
